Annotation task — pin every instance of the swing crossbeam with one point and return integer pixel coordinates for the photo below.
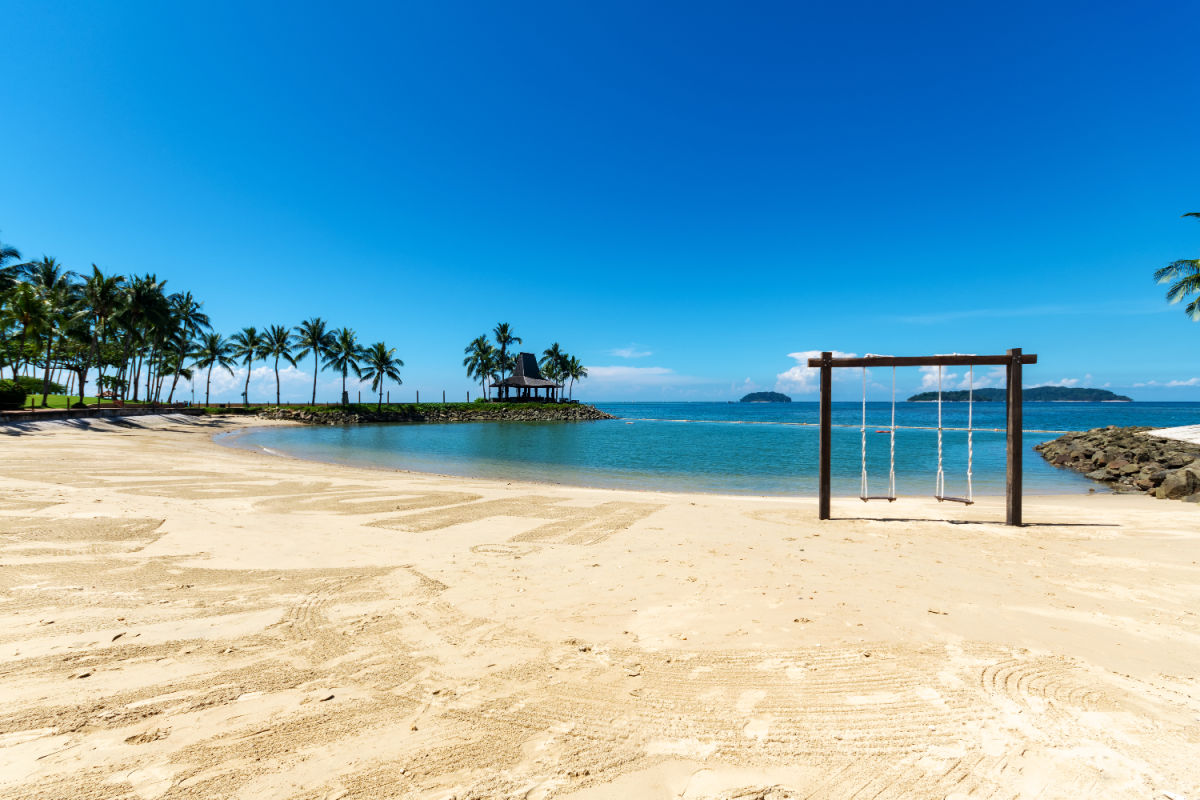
(1013, 361)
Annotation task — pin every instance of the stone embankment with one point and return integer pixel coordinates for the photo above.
(1129, 460)
(432, 412)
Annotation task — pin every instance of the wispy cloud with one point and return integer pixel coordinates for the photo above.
(624, 376)
(633, 351)
(1171, 384)
(939, 317)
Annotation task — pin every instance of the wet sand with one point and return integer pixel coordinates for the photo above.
(185, 620)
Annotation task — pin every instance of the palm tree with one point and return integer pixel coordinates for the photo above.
(213, 350)
(188, 322)
(576, 371)
(312, 336)
(277, 343)
(28, 311)
(8, 274)
(344, 354)
(1186, 276)
(248, 347)
(554, 363)
(482, 361)
(504, 337)
(380, 364)
(145, 310)
(54, 285)
(102, 299)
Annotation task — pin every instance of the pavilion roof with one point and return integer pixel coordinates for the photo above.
(527, 374)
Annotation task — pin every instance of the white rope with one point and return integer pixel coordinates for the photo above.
(970, 433)
(940, 487)
(862, 491)
(892, 453)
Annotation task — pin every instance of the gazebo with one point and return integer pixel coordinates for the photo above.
(527, 380)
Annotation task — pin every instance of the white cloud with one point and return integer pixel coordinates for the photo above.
(621, 375)
(630, 352)
(952, 380)
(802, 378)
(1067, 382)
(1171, 384)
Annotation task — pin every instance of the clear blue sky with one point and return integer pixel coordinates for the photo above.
(682, 195)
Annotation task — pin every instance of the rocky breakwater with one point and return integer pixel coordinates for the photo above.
(1127, 459)
(438, 412)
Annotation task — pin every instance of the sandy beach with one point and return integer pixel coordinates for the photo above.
(183, 619)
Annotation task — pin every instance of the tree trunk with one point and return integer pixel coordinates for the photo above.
(316, 368)
(277, 381)
(207, 384)
(46, 372)
(246, 390)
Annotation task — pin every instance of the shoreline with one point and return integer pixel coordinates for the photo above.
(183, 617)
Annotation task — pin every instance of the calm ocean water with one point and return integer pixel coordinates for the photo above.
(736, 448)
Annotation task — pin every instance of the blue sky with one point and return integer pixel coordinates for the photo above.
(682, 194)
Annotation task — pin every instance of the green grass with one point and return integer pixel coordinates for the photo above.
(63, 401)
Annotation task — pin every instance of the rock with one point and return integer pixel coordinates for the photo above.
(1127, 460)
(1179, 483)
(1192, 498)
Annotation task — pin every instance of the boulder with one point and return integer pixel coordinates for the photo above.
(1179, 483)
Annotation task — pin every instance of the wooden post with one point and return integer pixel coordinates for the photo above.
(1012, 515)
(418, 397)
(826, 420)
(443, 396)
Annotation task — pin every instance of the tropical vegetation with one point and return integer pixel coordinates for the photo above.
(1184, 277)
(62, 333)
(488, 363)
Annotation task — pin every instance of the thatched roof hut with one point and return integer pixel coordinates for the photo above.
(527, 380)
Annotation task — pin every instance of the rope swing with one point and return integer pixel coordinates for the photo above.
(863, 493)
(940, 488)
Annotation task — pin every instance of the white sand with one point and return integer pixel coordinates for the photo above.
(186, 620)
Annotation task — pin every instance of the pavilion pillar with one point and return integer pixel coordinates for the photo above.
(826, 447)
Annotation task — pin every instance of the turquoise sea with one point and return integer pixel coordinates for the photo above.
(735, 448)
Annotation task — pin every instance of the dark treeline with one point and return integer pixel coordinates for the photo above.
(140, 339)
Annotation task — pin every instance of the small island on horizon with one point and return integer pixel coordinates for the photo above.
(765, 397)
(1037, 394)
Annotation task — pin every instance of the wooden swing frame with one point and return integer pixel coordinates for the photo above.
(1013, 360)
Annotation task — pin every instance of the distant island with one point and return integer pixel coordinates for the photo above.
(766, 397)
(1038, 394)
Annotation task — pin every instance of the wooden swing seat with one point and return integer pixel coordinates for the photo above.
(965, 501)
(877, 497)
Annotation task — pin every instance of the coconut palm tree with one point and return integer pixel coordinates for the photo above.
(312, 336)
(188, 321)
(379, 365)
(9, 273)
(145, 310)
(28, 312)
(576, 371)
(55, 285)
(1185, 275)
(344, 355)
(248, 348)
(102, 300)
(554, 363)
(482, 361)
(277, 344)
(504, 337)
(213, 350)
